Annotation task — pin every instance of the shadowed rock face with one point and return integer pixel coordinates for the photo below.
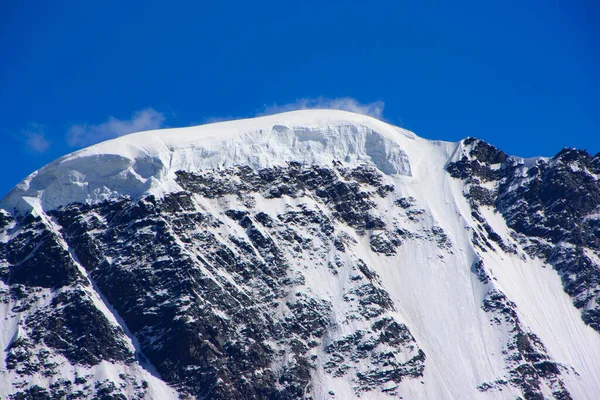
(58, 314)
(552, 206)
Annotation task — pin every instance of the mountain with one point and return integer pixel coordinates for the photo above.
(306, 255)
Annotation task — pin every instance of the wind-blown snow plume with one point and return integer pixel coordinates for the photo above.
(374, 109)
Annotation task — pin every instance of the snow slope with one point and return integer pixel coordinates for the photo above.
(432, 284)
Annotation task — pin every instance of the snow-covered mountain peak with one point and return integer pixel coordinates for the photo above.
(308, 255)
(145, 162)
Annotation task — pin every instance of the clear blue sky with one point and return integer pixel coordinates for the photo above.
(522, 75)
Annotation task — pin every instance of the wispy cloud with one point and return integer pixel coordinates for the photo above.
(374, 109)
(35, 139)
(87, 134)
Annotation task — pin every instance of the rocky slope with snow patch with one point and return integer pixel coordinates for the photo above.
(314, 254)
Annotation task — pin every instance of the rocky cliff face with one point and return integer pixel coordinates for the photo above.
(552, 208)
(402, 268)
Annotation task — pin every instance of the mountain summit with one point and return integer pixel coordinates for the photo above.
(147, 162)
(313, 254)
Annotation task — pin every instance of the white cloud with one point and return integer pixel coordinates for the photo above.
(374, 109)
(143, 120)
(35, 139)
(38, 143)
